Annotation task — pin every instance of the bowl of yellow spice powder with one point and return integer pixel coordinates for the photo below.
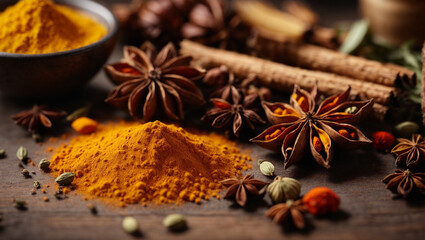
(52, 48)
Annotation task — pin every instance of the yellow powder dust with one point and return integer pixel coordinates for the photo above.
(149, 163)
(40, 26)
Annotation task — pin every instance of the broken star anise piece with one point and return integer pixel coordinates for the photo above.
(151, 82)
(240, 189)
(291, 211)
(405, 182)
(410, 153)
(36, 118)
(300, 126)
(211, 24)
(234, 116)
(225, 85)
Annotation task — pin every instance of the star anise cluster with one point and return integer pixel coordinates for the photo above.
(289, 212)
(302, 127)
(151, 83)
(409, 154)
(38, 117)
(242, 189)
(207, 21)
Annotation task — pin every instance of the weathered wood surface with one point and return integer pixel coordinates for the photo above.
(367, 208)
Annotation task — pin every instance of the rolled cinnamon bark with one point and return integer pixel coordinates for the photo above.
(327, 60)
(281, 77)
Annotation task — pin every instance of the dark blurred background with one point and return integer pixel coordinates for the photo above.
(330, 11)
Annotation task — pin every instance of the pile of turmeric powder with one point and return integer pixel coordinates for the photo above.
(149, 163)
(40, 26)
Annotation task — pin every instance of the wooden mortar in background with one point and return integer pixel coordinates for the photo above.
(395, 21)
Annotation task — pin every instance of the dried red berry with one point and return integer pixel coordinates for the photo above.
(321, 200)
(383, 141)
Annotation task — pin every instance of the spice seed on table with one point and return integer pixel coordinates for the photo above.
(22, 153)
(130, 225)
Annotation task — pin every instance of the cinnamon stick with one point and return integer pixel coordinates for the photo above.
(282, 77)
(327, 60)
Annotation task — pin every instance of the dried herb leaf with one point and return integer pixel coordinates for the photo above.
(355, 37)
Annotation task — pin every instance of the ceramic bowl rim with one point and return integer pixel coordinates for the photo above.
(112, 31)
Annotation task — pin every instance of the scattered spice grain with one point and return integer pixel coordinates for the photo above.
(26, 173)
(20, 204)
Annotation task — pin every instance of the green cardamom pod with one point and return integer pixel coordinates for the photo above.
(351, 110)
(175, 222)
(406, 129)
(22, 153)
(44, 164)
(2, 153)
(267, 168)
(130, 225)
(65, 178)
(284, 188)
(37, 184)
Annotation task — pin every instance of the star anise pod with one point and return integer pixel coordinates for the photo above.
(211, 24)
(240, 189)
(36, 118)
(151, 82)
(288, 212)
(300, 126)
(405, 182)
(227, 115)
(410, 153)
(225, 85)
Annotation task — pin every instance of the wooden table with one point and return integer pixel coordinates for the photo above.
(367, 208)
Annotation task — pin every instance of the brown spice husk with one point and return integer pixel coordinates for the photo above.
(282, 77)
(379, 112)
(423, 83)
(323, 36)
(327, 60)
